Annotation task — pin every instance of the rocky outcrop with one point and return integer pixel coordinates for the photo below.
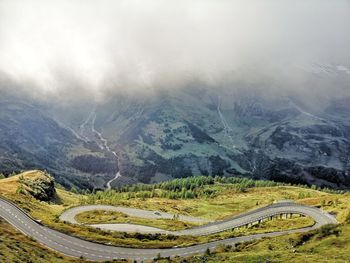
(41, 187)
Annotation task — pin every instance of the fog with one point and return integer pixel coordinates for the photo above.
(62, 47)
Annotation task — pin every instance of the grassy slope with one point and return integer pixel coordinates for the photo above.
(227, 202)
(98, 216)
(230, 201)
(330, 246)
(15, 247)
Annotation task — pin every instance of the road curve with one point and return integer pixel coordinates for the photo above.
(70, 214)
(207, 229)
(75, 247)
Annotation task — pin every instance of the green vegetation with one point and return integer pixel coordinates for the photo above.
(227, 202)
(193, 187)
(226, 199)
(100, 217)
(15, 247)
(164, 241)
(41, 187)
(330, 244)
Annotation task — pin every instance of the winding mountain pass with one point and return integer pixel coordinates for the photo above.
(76, 247)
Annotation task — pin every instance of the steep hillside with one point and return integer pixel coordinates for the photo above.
(198, 131)
(31, 139)
(255, 130)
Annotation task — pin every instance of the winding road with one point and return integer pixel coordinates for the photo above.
(75, 247)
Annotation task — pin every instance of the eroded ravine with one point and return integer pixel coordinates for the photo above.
(89, 133)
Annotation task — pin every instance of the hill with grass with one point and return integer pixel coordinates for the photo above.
(209, 198)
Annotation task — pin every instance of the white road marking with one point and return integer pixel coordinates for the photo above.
(55, 240)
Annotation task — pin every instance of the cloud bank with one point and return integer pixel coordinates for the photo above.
(62, 46)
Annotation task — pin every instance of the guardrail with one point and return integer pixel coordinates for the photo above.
(255, 220)
(291, 203)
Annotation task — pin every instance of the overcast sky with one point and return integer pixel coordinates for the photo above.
(101, 44)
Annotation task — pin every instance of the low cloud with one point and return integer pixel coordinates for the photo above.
(97, 47)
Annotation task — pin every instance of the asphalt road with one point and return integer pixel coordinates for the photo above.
(76, 247)
(211, 228)
(69, 215)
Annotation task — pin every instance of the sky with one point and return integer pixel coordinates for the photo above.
(64, 46)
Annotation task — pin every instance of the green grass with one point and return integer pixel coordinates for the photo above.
(227, 201)
(166, 241)
(100, 217)
(330, 244)
(15, 247)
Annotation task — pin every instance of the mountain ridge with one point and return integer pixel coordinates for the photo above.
(197, 130)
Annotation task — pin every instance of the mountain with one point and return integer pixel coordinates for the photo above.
(188, 134)
(248, 129)
(30, 138)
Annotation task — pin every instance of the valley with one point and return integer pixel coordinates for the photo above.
(88, 131)
(174, 131)
(126, 140)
